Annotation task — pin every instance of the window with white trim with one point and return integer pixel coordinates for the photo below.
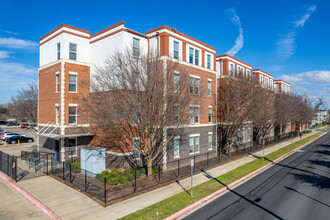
(176, 49)
(232, 69)
(266, 82)
(240, 70)
(136, 146)
(72, 115)
(57, 82)
(57, 111)
(191, 85)
(176, 147)
(176, 82)
(58, 50)
(73, 147)
(136, 47)
(191, 55)
(271, 83)
(261, 80)
(248, 73)
(209, 86)
(72, 83)
(210, 114)
(176, 114)
(196, 57)
(208, 61)
(210, 141)
(194, 115)
(194, 144)
(196, 86)
(72, 51)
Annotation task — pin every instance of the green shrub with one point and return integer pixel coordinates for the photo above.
(157, 170)
(105, 173)
(75, 167)
(130, 176)
(112, 181)
(114, 172)
(100, 177)
(122, 179)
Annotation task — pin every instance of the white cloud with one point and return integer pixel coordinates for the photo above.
(316, 76)
(286, 45)
(231, 13)
(4, 54)
(8, 32)
(15, 69)
(16, 43)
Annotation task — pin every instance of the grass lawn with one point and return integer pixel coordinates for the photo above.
(175, 203)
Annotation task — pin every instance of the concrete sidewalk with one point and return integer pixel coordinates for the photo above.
(68, 203)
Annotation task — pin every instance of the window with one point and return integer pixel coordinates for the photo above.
(176, 82)
(136, 146)
(194, 115)
(261, 80)
(58, 51)
(72, 83)
(136, 81)
(210, 141)
(72, 51)
(209, 92)
(208, 61)
(136, 47)
(248, 73)
(57, 110)
(196, 57)
(196, 86)
(240, 70)
(176, 146)
(194, 144)
(266, 82)
(176, 114)
(210, 114)
(191, 55)
(232, 69)
(72, 115)
(176, 50)
(243, 135)
(271, 83)
(73, 147)
(191, 87)
(57, 82)
(248, 135)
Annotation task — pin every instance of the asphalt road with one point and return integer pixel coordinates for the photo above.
(298, 187)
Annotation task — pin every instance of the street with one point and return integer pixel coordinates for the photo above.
(298, 187)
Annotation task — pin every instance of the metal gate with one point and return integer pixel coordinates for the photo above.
(8, 165)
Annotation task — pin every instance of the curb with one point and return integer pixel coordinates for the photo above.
(32, 199)
(199, 202)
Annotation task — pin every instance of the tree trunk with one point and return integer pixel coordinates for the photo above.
(149, 163)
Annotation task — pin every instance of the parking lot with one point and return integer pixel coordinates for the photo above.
(15, 149)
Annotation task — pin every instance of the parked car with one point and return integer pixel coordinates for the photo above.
(31, 126)
(12, 123)
(24, 125)
(3, 122)
(22, 139)
(7, 135)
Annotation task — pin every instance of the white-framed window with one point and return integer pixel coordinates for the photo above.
(136, 145)
(57, 82)
(271, 83)
(248, 73)
(194, 114)
(72, 82)
(58, 50)
(266, 82)
(210, 114)
(176, 147)
(72, 114)
(209, 137)
(176, 82)
(73, 147)
(209, 88)
(208, 61)
(191, 85)
(194, 144)
(196, 57)
(72, 51)
(176, 114)
(248, 134)
(261, 80)
(176, 49)
(191, 55)
(196, 86)
(57, 112)
(136, 47)
(232, 68)
(240, 70)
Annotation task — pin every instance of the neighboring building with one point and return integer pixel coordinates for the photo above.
(321, 116)
(282, 86)
(265, 80)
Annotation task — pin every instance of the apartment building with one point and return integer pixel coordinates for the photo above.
(68, 58)
(282, 86)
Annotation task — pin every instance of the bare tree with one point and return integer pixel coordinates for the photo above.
(134, 100)
(236, 102)
(25, 104)
(283, 112)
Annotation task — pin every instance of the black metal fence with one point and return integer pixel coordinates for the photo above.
(109, 186)
(8, 165)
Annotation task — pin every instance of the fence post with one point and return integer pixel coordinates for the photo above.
(86, 180)
(0, 160)
(8, 164)
(70, 173)
(159, 172)
(207, 161)
(135, 179)
(105, 190)
(14, 168)
(194, 163)
(178, 168)
(47, 164)
(63, 170)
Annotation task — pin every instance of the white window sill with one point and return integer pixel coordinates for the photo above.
(73, 92)
(176, 157)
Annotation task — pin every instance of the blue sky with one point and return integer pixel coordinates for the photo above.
(289, 39)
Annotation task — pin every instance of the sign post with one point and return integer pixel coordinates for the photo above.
(192, 171)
